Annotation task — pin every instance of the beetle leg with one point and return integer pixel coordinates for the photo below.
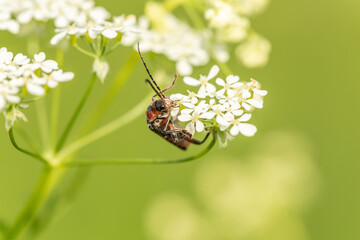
(178, 135)
(197, 142)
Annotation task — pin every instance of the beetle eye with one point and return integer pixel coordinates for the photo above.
(159, 105)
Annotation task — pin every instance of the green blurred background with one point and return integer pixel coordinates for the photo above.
(313, 83)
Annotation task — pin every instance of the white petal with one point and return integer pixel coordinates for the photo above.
(244, 118)
(237, 85)
(246, 106)
(57, 38)
(224, 127)
(228, 116)
(194, 100)
(52, 83)
(176, 96)
(61, 22)
(220, 82)
(234, 130)
(238, 112)
(199, 126)
(202, 92)
(187, 111)
(108, 33)
(221, 121)
(190, 127)
(210, 88)
(247, 129)
(35, 89)
(13, 99)
(260, 92)
(220, 93)
(191, 81)
(230, 93)
(213, 72)
(67, 76)
(21, 59)
(256, 102)
(231, 79)
(183, 67)
(188, 105)
(39, 57)
(92, 34)
(50, 64)
(174, 112)
(208, 115)
(245, 94)
(184, 117)
(2, 103)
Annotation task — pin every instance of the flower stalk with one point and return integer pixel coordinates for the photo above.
(76, 113)
(34, 155)
(135, 161)
(31, 208)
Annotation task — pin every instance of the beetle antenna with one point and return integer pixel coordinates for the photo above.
(152, 86)
(142, 59)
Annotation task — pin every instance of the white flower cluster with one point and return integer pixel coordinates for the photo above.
(71, 18)
(14, 13)
(230, 23)
(20, 76)
(95, 26)
(227, 109)
(177, 41)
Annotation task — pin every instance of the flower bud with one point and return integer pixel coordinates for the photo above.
(101, 68)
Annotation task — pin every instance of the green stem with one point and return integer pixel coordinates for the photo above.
(115, 46)
(28, 139)
(194, 17)
(76, 113)
(54, 116)
(32, 206)
(85, 52)
(55, 106)
(35, 155)
(94, 162)
(107, 129)
(122, 76)
(224, 67)
(3, 227)
(43, 121)
(58, 203)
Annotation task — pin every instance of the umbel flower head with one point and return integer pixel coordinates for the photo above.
(226, 109)
(23, 80)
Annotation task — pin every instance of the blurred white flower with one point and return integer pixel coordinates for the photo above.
(20, 77)
(57, 77)
(167, 35)
(254, 52)
(8, 93)
(220, 15)
(6, 22)
(250, 7)
(261, 195)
